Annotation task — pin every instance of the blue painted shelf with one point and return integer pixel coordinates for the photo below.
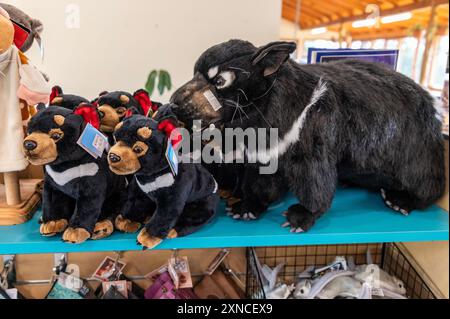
(357, 216)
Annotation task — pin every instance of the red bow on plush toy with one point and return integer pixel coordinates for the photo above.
(144, 100)
(168, 123)
(89, 113)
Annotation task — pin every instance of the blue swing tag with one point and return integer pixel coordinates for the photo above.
(93, 141)
(172, 158)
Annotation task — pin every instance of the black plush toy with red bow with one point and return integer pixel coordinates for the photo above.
(115, 106)
(185, 199)
(81, 195)
(68, 101)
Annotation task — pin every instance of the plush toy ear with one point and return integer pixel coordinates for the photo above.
(40, 107)
(56, 92)
(144, 101)
(273, 56)
(89, 114)
(124, 99)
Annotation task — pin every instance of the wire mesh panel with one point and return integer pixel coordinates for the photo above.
(395, 263)
(298, 258)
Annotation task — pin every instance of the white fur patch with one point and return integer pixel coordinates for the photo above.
(162, 181)
(293, 135)
(212, 72)
(229, 78)
(63, 178)
(216, 187)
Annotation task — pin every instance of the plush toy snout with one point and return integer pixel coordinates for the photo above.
(40, 149)
(123, 160)
(110, 117)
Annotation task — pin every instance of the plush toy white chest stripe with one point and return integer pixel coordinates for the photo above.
(293, 135)
(162, 181)
(62, 178)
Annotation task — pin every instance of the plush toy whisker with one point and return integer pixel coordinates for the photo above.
(242, 70)
(231, 103)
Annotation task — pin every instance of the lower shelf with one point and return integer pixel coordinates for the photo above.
(357, 216)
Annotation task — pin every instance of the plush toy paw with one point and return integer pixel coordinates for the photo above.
(172, 234)
(147, 241)
(76, 235)
(299, 219)
(126, 225)
(103, 229)
(241, 211)
(53, 227)
(398, 201)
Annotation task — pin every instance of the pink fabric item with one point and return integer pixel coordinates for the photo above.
(164, 288)
(32, 97)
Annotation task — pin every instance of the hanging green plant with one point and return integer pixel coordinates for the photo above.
(160, 79)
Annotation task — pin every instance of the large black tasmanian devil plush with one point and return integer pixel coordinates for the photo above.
(184, 201)
(352, 121)
(81, 195)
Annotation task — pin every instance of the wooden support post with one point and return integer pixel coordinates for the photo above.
(341, 35)
(12, 188)
(428, 42)
(416, 55)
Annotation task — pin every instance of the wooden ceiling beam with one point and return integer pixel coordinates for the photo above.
(333, 10)
(400, 9)
(305, 20)
(308, 11)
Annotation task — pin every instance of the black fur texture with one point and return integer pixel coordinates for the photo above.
(185, 205)
(82, 201)
(68, 101)
(371, 127)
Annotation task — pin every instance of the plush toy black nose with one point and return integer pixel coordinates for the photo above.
(114, 158)
(29, 145)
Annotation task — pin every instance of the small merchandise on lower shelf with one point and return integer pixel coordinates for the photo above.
(296, 263)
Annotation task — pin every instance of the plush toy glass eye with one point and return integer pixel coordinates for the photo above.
(224, 79)
(56, 136)
(121, 111)
(138, 149)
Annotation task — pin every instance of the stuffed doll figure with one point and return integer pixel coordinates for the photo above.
(21, 85)
(81, 195)
(34, 26)
(113, 108)
(186, 195)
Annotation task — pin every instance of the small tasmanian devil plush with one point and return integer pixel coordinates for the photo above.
(81, 194)
(114, 106)
(351, 121)
(185, 200)
(68, 101)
